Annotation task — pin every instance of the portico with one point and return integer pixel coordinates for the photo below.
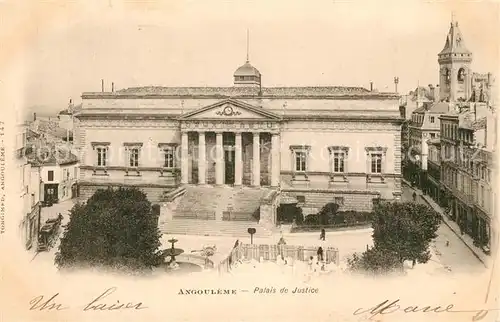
(239, 146)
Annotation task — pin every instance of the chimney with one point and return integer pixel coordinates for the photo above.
(432, 91)
(396, 82)
(34, 116)
(371, 86)
(436, 93)
(112, 87)
(102, 85)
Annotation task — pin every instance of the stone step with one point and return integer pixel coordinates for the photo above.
(212, 228)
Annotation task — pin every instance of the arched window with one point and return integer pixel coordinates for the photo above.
(461, 75)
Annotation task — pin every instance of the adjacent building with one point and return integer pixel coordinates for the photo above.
(452, 141)
(58, 168)
(468, 170)
(29, 191)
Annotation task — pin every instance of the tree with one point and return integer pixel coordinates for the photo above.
(115, 228)
(405, 229)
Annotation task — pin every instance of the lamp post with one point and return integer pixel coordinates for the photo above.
(251, 231)
(396, 82)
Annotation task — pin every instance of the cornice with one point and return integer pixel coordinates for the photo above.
(174, 117)
(88, 183)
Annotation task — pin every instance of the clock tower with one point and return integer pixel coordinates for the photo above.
(454, 67)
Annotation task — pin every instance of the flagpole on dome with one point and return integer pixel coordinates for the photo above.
(248, 45)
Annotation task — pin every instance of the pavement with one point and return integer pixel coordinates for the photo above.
(449, 229)
(51, 212)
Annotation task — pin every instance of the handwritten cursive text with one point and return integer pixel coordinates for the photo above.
(389, 307)
(98, 304)
(37, 304)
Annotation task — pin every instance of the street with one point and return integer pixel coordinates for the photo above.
(456, 256)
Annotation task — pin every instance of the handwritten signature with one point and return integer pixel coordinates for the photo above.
(99, 303)
(388, 307)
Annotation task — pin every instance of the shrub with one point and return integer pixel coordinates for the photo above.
(375, 261)
(287, 213)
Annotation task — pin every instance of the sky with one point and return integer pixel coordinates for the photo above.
(66, 48)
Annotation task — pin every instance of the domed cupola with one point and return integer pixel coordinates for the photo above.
(246, 74)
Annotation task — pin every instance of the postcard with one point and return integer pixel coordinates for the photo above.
(249, 160)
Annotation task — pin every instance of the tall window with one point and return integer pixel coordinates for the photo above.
(338, 162)
(300, 161)
(432, 119)
(101, 157)
(168, 158)
(376, 163)
(134, 157)
(300, 157)
(50, 175)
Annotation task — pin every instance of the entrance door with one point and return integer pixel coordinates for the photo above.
(229, 166)
(51, 193)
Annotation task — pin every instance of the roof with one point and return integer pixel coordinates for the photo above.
(240, 91)
(454, 42)
(32, 134)
(465, 120)
(479, 124)
(440, 108)
(436, 108)
(71, 109)
(59, 155)
(422, 93)
(61, 133)
(247, 70)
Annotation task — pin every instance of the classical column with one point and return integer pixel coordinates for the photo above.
(256, 159)
(238, 164)
(219, 159)
(202, 162)
(184, 158)
(275, 160)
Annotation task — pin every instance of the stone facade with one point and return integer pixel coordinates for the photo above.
(320, 141)
(243, 130)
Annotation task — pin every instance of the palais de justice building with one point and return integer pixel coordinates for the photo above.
(254, 145)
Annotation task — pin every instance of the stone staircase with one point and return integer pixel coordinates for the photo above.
(246, 199)
(216, 211)
(204, 202)
(212, 228)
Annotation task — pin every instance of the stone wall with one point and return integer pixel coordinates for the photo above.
(315, 200)
(154, 194)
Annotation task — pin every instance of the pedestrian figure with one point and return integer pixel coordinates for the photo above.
(310, 263)
(413, 263)
(237, 243)
(322, 235)
(320, 254)
(447, 243)
(414, 196)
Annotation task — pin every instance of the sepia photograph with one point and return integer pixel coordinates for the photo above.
(249, 160)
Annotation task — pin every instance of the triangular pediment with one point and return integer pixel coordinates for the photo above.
(230, 109)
